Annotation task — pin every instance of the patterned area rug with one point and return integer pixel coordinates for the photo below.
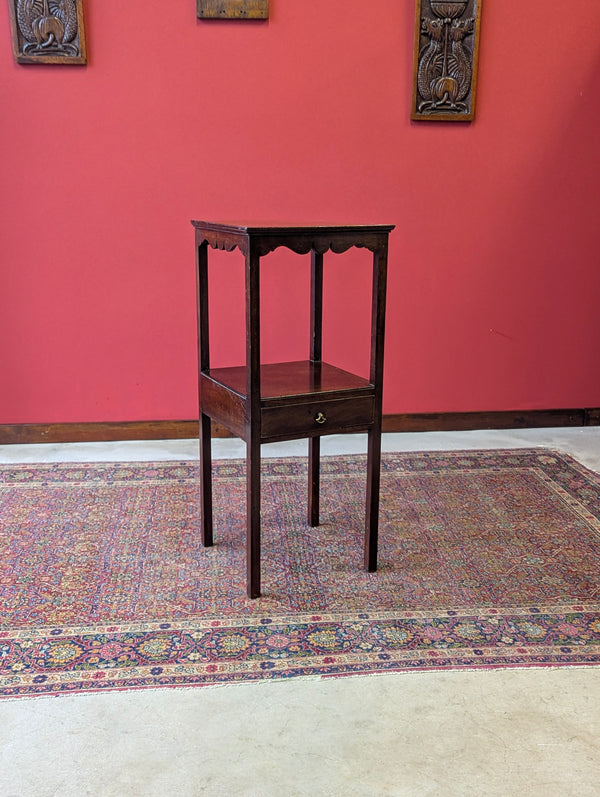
(487, 559)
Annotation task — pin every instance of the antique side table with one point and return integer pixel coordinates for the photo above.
(263, 403)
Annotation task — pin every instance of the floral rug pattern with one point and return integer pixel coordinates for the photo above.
(486, 559)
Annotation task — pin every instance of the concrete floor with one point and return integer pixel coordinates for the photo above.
(511, 732)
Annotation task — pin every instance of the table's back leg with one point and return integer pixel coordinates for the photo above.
(314, 451)
(372, 503)
(205, 481)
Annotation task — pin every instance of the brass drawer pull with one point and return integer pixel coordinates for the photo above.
(320, 418)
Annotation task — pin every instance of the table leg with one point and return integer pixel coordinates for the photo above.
(316, 337)
(372, 507)
(314, 451)
(253, 517)
(205, 481)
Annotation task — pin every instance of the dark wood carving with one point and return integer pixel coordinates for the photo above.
(299, 239)
(446, 58)
(48, 31)
(232, 9)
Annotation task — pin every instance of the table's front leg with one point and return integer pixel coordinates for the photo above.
(316, 346)
(376, 375)
(253, 517)
(253, 421)
(203, 365)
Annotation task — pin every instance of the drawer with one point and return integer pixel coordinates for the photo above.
(316, 417)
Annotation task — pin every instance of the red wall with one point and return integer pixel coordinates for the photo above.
(494, 290)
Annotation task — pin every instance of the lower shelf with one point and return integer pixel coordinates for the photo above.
(301, 378)
(298, 399)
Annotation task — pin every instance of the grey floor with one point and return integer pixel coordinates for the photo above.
(510, 732)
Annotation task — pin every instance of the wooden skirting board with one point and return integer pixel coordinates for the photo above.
(178, 430)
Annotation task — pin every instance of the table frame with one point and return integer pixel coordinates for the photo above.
(264, 403)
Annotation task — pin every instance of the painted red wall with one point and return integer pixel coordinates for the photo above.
(494, 288)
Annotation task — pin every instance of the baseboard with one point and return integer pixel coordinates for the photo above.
(178, 430)
(99, 432)
(463, 421)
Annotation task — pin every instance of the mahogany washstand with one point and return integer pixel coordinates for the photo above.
(263, 403)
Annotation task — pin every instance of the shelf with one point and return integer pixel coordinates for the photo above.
(292, 380)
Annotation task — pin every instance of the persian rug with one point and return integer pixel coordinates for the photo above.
(487, 559)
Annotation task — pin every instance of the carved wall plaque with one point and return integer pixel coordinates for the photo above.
(446, 56)
(233, 9)
(48, 31)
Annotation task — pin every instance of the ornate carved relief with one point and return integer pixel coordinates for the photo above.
(232, 9)
(48, 31)
(446, 56)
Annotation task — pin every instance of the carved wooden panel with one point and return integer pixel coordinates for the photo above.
(48, 31)
(233, 9)
(446, 58)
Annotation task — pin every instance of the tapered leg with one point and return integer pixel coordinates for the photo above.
(253, 425)
(374, 438)
(203, 366)
(205, 481)
(253, 517)
(316, 337)
(372, 508)
(314, 451)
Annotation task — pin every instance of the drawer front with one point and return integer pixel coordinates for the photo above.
(316, 418)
